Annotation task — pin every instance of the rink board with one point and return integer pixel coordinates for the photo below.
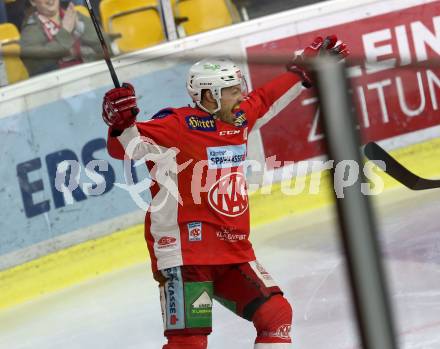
(127, 247)
(69, 234)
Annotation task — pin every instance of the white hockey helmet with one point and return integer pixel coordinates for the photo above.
(213, 74)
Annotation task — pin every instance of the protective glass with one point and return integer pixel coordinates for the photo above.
(244, 86)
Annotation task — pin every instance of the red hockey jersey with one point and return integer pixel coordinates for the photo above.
(199, 213)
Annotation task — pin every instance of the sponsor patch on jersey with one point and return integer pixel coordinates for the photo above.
(228, 196)
(228, 235)
(229, 132)
(162, 113)
(201, 124)
(195, 231)
(240, 119)
(166, 242)
(226, 157)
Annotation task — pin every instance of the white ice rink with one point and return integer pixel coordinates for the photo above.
(121, 310)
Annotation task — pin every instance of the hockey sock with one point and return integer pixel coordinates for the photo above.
(273, 321)
(187, 342)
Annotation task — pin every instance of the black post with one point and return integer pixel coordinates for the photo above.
(357, 224)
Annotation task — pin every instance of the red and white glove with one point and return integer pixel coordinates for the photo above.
(119, 108)
(319, 47)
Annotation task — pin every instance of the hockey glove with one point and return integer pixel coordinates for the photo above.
(319, 47)
(119, 108)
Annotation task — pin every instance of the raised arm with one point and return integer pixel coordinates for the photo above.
(136, 140)
(267, 101)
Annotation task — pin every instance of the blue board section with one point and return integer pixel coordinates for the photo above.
(33, 144)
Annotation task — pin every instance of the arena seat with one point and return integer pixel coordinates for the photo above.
(83, 10)
(204, 15)
(10, 50)
(137, 21)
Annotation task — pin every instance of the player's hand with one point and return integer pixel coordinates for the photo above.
(119, 108)
(328, 46)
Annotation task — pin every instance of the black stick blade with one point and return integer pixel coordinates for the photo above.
(396, 170)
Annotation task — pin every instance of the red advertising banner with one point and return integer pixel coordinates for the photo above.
(391, 98)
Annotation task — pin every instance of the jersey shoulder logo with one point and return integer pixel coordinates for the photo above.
(201, 123)
(240, 118)
(163, 113)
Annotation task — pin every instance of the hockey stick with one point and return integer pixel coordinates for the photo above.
(103, 45)
(396, 170)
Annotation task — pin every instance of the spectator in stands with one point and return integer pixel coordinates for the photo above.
(53, 38)
(3, 15)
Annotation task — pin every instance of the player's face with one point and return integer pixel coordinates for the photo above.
(230, 100)
(47, 8)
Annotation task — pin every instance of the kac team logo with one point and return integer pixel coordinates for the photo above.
(228, 196)
(194, 231)
(283, 331)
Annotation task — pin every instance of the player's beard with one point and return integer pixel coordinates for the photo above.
(227, 114)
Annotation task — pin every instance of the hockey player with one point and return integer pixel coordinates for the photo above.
(197, 227)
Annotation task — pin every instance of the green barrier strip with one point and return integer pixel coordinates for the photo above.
(127, 247)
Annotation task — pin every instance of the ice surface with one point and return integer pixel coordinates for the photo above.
(121, 310)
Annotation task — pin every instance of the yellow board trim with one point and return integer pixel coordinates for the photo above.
(127, 247)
